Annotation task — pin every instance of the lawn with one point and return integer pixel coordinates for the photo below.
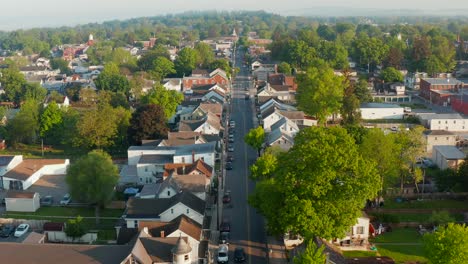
(422, 218)
(426, 204)
(399, 235)
(72, 212)
(359, 254)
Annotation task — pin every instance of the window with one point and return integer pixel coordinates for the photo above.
(435, 138)
(447, 138)
(135, 223)
(188, 211)
(454, 121)
(186, 257)
(439, 122)
(446, 122)
(172, 211)
(146, 169)
(360, 230)
(168, 193)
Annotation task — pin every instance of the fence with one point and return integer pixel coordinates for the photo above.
(35, 225)
(61, 237)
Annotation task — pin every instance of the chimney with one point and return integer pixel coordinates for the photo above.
(145, 229)
(162, 233)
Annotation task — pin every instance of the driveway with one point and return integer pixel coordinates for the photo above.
(53, 185)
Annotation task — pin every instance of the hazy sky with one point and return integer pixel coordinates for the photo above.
(35, 13)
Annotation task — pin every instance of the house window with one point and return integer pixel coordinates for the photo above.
(446, 122)
(435, 138)
(188, 211)
(360, 230)
(172, 211)
(439, 122)
(168, 193)
(135, 223)
(447, 138)
(186, 257)
(454, 121)
(146, 169)
(183, 159)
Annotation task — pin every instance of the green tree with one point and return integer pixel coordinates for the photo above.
(440, 218)
(121, 57)
(320, 187)
(369, 50)
(161, 68)
(444, 50)
(432, 65)
(222, 64)
(110, 79)
(92, 179)
(255, 138)
(75, 228)
(266, 164)
(333, 53)
(285, 68)
(33, 91)
(25, 125)
(12, 82)
(186, 61)
(391, 74)
(362, 91)
(320, 92)
(61, 64)
(205, 54)
(146, 62)
(300, 54)
(147, 122)
(447, 245)
(167, 99)
(50, 117)
(350, 110)
(311, 255)
(98, 127)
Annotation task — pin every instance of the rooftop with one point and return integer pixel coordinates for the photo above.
(450, 152)
(156, 159)
(442, 81)
(379, 105)
(20, 194)
(28, 167)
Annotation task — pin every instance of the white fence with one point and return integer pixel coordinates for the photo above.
(61, 237)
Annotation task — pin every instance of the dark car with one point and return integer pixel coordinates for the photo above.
(231, 140)
(239, 255)
(229, 158)
(225, 226)
(227, 198)
(47, 200)
(224, 238)
(7, 230)
(228, 166)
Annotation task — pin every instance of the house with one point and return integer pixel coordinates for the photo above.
(182, 226)
(19, 201)
(174, 84)
(447, 122)
(286, 126)
(439, 90)
(164, 209)
(281, 92)
(255, 65)
(63, 101)
(272, 102)
(19, 174)
(217, 76)
(273, 115)
(357, 237)
(197, 168)
(208, 92)
(188, 138)
(202, 110)
(447, 157)
(370, 111)
(166, 250)
(279, 138)
(262, 72)
(398, 88)
(210, 125)
(439, 138)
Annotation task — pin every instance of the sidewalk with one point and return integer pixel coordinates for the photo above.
(277, 251)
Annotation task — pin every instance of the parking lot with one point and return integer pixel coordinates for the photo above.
(53, 185)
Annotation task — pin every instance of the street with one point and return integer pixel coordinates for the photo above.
(247, 227)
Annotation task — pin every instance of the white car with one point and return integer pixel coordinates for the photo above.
(21, 230)
(66, 199)
(223, 254)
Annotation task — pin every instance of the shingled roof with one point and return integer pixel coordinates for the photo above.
(180, 223)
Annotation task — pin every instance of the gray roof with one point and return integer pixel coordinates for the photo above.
(442, 81)
(438, 133)
(152, 208)
(5, 160)
(181, 247)
(197, 148)
(379, 105)
(281, 122)
(450, 152)
(156, 159)
(277, 134)
(441, 116)
(159, 249)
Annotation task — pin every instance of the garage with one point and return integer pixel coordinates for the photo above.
(18, 201)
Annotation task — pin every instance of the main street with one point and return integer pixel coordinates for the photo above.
(247, 227)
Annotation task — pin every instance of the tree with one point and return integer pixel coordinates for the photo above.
(50, 117)
(350, 112)
(462, 175)
(98, 127)
(147, 122)
(75, 228)
(320, 92)
(161, 68)
(222, 64)
(267, 164)
(205, 54)
(311, 255)
(333, 53)
(146, 62)
(121, 57)
(13, 81)
(110, 79)
(447, 245)
(300, 54)
(61, 64)
(440, 218)
(362, 91)
(444, 50)
(394, 58)
(285, 68)
(391, 74)
(255, 138)
(33, 91)
(186, 61)
(25, 125)
(369, 50)
(92, 179)
(167, 99)
(320, 187)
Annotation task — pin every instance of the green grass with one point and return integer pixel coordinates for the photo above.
(403, 253)
(359, 254)
(399, 235)
(72, 212)
(107, 234)
(422, 218)
(426, 204)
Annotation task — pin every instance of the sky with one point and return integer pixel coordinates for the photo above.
(17, 14)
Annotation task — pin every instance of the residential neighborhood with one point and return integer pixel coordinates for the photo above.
(235, 137)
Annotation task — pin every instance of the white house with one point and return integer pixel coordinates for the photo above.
(357, 236)
(209, 125)
(281, 139)
(273, 115)
(447, 122)
(18, 201)
(371, 111)
(174, 84)
(447, 157)
(439, 138)
(164, 210)
(26, 172)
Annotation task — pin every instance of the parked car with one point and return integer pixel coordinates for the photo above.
(227, 197)
(225, 226)
(229, 158)
(66, 199)
(223, 254)
(228, 166)
(224, 238)
(47, 200)
(231, 132)
(239, 255)
(21, 230)
(231, 140)
(231, 148)
(231, 136)
(232, 124)
(7, 230)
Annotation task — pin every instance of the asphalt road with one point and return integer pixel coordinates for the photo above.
(247, 227)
